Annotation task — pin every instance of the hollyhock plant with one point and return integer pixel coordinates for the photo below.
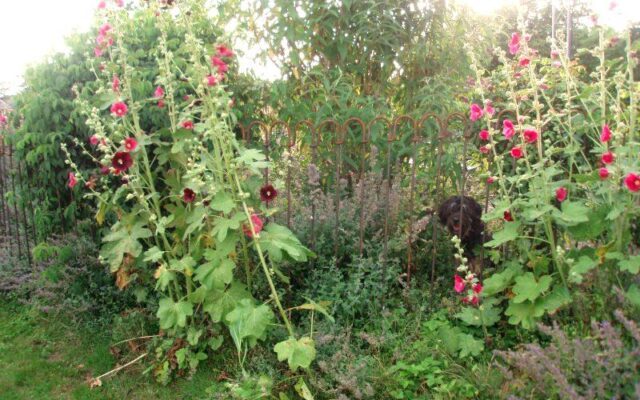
(516, 152)
(514, 43)
(121, 161)
(458, 283)
(187, 124)
(158, 93)
(257, 226)
(605, 134)
(221, 66)
(530, 135)
(119, 109)
(475, 112)
(508, 130)
(130, 144)
(561, 194)
(484, 135)
(72, 181)
(603, 173)
(224, 51)
(268, 193)
(607, 158)
(188, 195)
(632, 181)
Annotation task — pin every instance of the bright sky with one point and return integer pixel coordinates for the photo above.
(32, 29)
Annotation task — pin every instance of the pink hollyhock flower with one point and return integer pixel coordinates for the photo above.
(115, 84)
(491, 180)
(257, 226)
(516, 152)
(185, 97)
(101, 67)
(100, 39)
(507, 216)
(217, 62)
(613, 5)
(158, 93)
(527, 37)
(93, 140)
(488, 108)
(514, 44)
(555, 54)
(556, 64)
(603, 172)
(607, 157)
(104, 29)
(160, 103)
(110, 41)
(632, 181)
(484, 135)
(605, 134)
(475, 300)
(543, 86)
(104, 170)
(484, 149)
(119, 3)
(530, 135)
(517, 75)
(224, 51)
(561, 194)
(3, 119)
(475, 112)
(210, 80)
(121, 161)
(187, 125)
(72, 180)
(119, 109)
(97, 51)
(188, 195)
(130, 144)
(458, 284)
(102, 5)
(524, 61)
(477, 288)
(508, 129)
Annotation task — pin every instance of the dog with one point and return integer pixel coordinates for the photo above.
(462, 216)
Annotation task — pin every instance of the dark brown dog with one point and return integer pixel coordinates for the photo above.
(462, 217)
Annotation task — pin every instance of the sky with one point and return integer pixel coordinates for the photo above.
(32, 29)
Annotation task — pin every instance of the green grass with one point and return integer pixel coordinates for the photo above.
(43, 358)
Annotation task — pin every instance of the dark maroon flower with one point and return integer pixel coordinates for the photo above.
(104, 170)
(121, 161)
(507, 216)
(188, 195)
(268, 193)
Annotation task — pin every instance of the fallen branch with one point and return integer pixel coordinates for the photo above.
(94, 382)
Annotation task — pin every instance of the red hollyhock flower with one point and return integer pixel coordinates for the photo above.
(268, 193)
(224, 51)
(257, 226)
(603, 172)
(130, 144)
(516, 152)
(632, 181)
(187, 124)
(484, 135)
(104, 170)
(119, 109)
(158, 93)
(508, 129)
(514, 43)
(210, 80)
(484, 149)
(524, 61)
(97, 51)
(477, 288)
(507, 216)
(458, 283)
(530, 135)
(216, 62)
(475, 112)
(105, 28)
(72, 180)
(121, 161)
(491, 180)
(488, 108)
(475, 300)
(160, 103)
(188, 195)
(561, 194)
(607, 157)
(93, 140)
(605, 135)
(115, 84)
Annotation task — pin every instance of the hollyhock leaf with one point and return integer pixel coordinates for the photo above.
(223, 202)
(215, 275)
(123, 240)
(276, 239)
(558, 297)
(498, 282)
(449, 338)
(298, 353)
(219, 303)
(573, 213)
(215, 342)
(486, 314)
(525, 313)
(223, 225)
(195, 220)
(631, 265)
(614, 213)
(633, 295)
(301, 387)
(199, 295)
(248, 322)
(252, 159)
(153, 255)
(164, 277)
(581, 267)
(313, 306)
(509, 232)
(222, 249)
(528, 288)
(592, 228)
(173, 314)
(469, 345)
(534, 213)
(497, 212)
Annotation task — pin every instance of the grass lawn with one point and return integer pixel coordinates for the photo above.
(43, 358)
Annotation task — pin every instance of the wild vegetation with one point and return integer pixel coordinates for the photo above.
(201, 259)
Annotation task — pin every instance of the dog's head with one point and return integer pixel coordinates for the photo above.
(461, 215)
